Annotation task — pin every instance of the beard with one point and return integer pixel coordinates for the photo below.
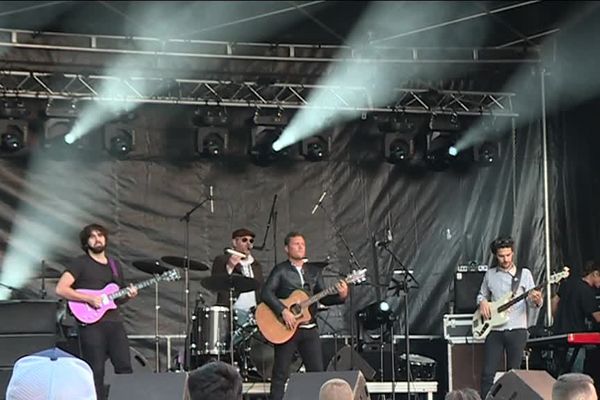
(99, 248)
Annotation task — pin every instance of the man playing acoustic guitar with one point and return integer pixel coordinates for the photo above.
(512, 335)
(284, 278)
(107, 337)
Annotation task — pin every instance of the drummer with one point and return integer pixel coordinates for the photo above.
(242, 241)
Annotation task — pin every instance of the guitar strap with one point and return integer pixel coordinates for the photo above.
(113, 268)
(516, 280)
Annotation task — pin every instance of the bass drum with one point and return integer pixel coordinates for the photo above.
(262, 356)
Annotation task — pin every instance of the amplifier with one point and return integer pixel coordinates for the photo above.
(466, 288)
(421, 368)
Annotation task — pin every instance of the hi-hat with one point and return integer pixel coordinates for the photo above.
(181, 263)
(150, 266)
(239, 283)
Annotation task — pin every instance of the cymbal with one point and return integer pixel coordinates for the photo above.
(181, 263)
(150, 266)
(48, 273)
(239, 283)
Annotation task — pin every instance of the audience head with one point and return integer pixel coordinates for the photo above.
(463, 394)
(336, 389)
(574, 386)
(51, 375)
(215, 380)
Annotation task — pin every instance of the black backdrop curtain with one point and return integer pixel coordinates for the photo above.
(438, 219)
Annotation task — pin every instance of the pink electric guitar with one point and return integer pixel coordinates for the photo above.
(88, 314)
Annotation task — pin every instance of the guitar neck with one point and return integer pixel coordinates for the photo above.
(140, 285)
(520, 297)
(313, 299)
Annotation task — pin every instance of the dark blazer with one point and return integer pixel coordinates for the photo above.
(219, 267)
(284, 279)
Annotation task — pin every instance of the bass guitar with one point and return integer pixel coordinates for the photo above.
(500, 308)
(87, 314)
(273, 327)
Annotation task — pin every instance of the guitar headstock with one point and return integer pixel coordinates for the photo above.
(357, 276)
(170, 275)
(559, 276)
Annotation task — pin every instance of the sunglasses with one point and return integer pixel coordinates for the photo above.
(244, 240)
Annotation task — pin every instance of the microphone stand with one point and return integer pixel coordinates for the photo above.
(186, 269)
(272, 217)
(407, 275)
(353, 262)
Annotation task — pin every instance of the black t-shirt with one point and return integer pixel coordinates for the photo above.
(90, 274)
(575, 308)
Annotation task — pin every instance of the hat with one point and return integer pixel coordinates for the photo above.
(242, 232)
(51, 375)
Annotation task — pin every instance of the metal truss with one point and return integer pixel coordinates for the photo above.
(204, 49)
(250, 94)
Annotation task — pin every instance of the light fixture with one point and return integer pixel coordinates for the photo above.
(13, 135)
(316, 148)
(56, 131)
(486, 153)
(444, 122)
(211, 141)
(261, 144)
(376, 315)
(437, 155)
(119, 139)
(398, 148)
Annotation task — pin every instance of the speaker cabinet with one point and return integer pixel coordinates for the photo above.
(347, 359)
(519, 384)
(304, 386)
(465, 363)
(466, 287)
(148, 386)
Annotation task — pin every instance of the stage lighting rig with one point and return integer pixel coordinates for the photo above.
(119, 139)
(376, 315)
(211, 141)
(316, 148)
(13, 135)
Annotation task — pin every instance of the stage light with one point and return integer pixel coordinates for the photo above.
(437, 154)
(486, 153)
(13, 135)
(119, 139)
(316, 148)
(56, 131)
(376, 315)
(211, 141)
(261, 145)
(210, 117)
(444, 122)
(398, 148)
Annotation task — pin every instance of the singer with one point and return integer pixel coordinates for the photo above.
(242, 241)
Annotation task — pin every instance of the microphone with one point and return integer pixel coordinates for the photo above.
(234, 252)
(314, 210)
(388, 239)
(210, 196)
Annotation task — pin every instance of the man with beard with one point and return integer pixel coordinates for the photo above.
(509, 338)
(105, 338)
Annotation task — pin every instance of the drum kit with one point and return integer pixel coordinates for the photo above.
(219, 334)
(215, 332)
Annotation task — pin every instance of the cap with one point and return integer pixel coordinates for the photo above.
(242, 232)
(51, 374)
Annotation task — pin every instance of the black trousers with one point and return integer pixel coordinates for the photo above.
(101, 341)
(496, 344)
(308, 344)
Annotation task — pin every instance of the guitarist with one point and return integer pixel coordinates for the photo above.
(107, 337)
(284, 278)
(511, 337)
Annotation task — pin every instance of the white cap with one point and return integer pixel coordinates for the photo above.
(51, 375)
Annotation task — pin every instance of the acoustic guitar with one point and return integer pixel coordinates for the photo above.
(273, 327)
